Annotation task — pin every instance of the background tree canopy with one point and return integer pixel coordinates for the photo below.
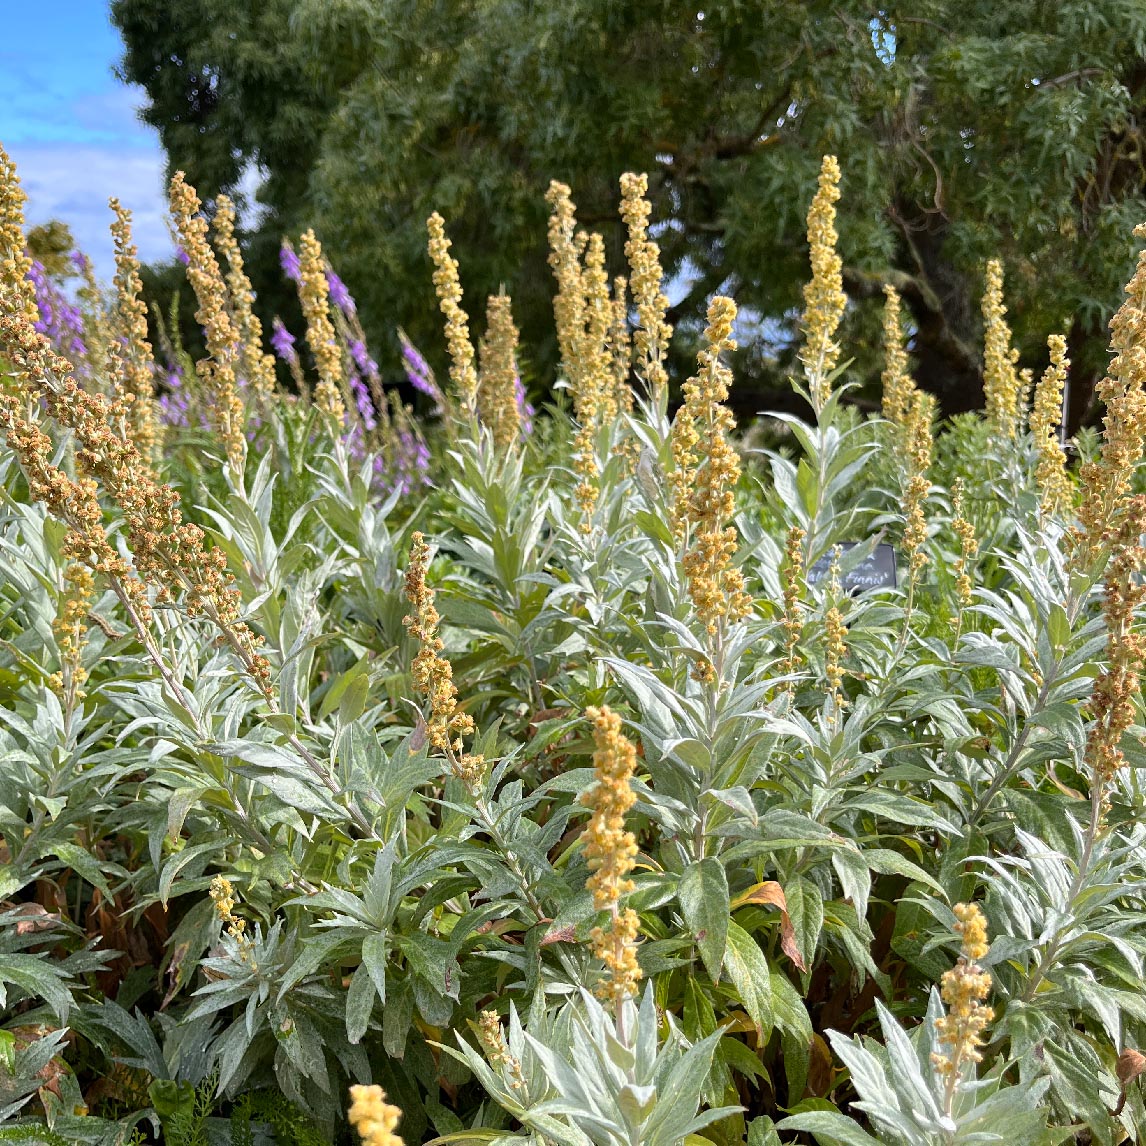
(965, 128)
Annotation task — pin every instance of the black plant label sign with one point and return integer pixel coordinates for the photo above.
(874, 571)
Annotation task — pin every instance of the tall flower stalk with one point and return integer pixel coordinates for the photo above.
(1002, 385)
(217, 373)
(257, 365)
(703, 482)
(446, 725)
(135, 363)
(314, 294)
(964, 989)
(1055, 489)
(824, 298)
(610, 849)
(646, 282)
(497, 393)
(463, 375)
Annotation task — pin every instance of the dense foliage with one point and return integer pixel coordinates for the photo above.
(603, 813)
(966, 129)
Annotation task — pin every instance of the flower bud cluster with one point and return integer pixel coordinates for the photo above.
(373, 1117)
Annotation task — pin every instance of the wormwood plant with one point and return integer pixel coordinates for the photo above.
(502, 776)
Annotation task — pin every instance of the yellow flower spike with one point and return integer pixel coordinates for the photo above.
(585, 319)
(703, 480)
(434, 675)
(497, 393)
(1001, 381)
(917, 429)
(374, 1119)
(835, 636)
(314, 295)
(1054, 486)
(793, 583)
(968, 546)
(964, 989)
(611, 851)
(449, 288)
(621, 346)
(898, 385)
(70, 626)
(216, 373)
(135, 372)
(14, 261)
(1105, 483)
(824, 298)
(1113, 702)
(258, 366)
(646, 282)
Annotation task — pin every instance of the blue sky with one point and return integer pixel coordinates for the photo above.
(71, 126)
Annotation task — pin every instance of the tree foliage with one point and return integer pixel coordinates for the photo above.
(968, 129)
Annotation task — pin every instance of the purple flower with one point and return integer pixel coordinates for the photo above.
(283, 343)
(288, 260)
(79, 261)
(362, 401)
(524, 410)
(419, 373)
(60, 321)
(339, 294)
(174, 404)
(361, 359)
(182, 256)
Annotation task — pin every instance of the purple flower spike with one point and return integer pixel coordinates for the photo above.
(524, 409)
(79, 261)
(418, 371)
(283, 343)
(362, 401)
(339, 295)
(288, 260)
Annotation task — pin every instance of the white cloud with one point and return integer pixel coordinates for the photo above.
(72, 182)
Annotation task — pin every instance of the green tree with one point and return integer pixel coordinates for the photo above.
(965, 129)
